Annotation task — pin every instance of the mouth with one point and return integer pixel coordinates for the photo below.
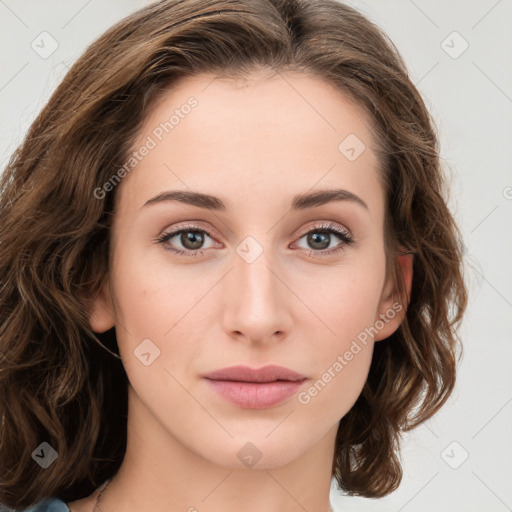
(255, 388)
(270, 373)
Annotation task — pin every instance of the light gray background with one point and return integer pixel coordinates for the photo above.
(471, 99)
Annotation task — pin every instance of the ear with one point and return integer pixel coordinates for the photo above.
(101, 309)
(393, 305)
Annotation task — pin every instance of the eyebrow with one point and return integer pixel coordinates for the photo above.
(299, 202)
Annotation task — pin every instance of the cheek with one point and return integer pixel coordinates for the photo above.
(152, 294)
(339, 385)
(342, 368)
(151, 306)
(160, 302)
(343, 300)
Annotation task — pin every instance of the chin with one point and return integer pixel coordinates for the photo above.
(252, 452)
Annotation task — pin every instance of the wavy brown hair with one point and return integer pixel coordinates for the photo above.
(58, 384)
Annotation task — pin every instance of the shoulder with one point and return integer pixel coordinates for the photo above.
(49, 505)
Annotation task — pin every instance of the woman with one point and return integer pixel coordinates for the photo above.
(228, 269)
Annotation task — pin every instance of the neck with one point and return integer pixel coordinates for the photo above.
(159, 473)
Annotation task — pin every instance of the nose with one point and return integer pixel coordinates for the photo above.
(257, 301)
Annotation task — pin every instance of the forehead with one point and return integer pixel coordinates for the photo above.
(254, 138)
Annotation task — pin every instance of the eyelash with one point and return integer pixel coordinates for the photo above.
(328, 227)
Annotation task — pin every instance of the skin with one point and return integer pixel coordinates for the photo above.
(254, 144)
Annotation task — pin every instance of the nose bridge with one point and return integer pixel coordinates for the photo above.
(255, 303)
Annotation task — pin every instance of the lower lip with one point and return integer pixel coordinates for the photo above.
(256, 395)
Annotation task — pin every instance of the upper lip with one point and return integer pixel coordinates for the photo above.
(269, 373)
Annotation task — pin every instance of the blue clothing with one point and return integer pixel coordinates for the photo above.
(49, 505)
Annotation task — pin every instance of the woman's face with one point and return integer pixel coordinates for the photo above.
(260, 279)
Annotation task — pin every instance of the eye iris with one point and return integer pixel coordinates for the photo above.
(192, 239)
(319, 237)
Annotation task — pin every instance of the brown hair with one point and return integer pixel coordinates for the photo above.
(57, 382)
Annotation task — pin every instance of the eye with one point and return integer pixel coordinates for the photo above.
(319, 238)
(190, 237)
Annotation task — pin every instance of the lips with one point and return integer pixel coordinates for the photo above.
(255, 388)
(269, 373)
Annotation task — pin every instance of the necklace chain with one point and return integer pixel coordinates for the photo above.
(96, 505)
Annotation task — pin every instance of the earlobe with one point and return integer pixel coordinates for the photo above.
(393, 307)
(101, 310)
